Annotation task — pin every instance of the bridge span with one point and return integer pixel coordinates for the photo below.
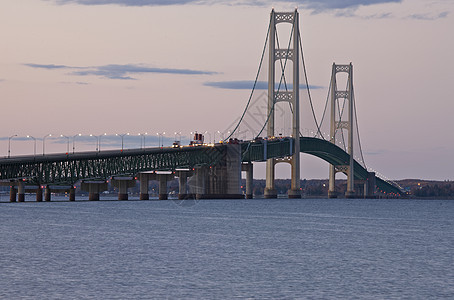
(203, 170)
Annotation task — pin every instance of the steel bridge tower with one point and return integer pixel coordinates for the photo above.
(292, 97)
(337, 123)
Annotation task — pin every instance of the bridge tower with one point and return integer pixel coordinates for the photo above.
(339, 124)
(292, 97)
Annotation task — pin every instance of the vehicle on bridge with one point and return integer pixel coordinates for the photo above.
(198, 139)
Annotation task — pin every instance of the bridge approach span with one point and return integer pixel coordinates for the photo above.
(70, 168)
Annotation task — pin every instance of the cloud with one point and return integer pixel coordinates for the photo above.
(320, 5)
(77, 82)
(340, 8)
(50, 67)
(315, 5)
(126, 2)
(248, 85)
(379, 16)
(114, 71)
(123, 71)
(429, 17)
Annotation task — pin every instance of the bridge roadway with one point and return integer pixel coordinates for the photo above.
(70, 168)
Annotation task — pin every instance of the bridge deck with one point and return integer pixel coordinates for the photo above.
(71, 167)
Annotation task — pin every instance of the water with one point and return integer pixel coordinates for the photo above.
(224, 249)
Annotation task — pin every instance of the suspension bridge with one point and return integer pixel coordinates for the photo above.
(278, 103)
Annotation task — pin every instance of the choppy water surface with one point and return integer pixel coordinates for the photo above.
(222, 249)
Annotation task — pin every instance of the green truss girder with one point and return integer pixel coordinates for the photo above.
(276, 148)
(62, 169)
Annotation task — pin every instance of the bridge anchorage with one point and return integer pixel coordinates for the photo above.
(214, 171)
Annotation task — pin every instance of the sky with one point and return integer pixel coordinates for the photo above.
(155, 66)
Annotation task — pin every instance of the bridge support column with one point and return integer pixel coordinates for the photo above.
(94, 187)
(182, 186)
(249, 168)
(162, 187)
(198, 182)
(12, 194)
(270, 190)
(143, 180)
(369, 186)
(162, 177)
(39, 194)
(221, 181)
(20, 191)
(47, 193)
(350, 193)
(183, 175)
(123, 183)
(332, 182)
(72, 194)
(295, 192)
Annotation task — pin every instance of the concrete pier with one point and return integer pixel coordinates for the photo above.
(94, 188)
(47, 193)
(72, 194)
(49, 189)
(39, 194)
(222, 181)
(270, 190)
(198, 182)
(183, 175)
(369, 185)
(162, 187)
(332, 194)
(143, 180)
(12, 194)
(123, 183)
(295, 192)
(20, 191)
(162, 177)
(249, 169)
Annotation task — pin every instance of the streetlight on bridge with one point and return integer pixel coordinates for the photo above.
(142, 141)
(122, 136)
(67, 143)
(74, 141)
(98, 141)
(9, 144)
(160, 139)
(34, 146)
(179, 136)
(44, 141)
